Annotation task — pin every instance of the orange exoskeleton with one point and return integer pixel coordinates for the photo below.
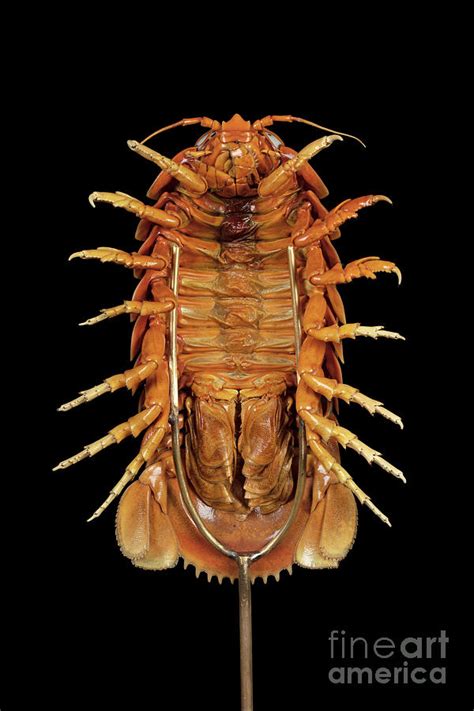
(239, 457)
(233, 204)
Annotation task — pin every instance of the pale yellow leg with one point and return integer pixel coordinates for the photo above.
(335, 333)
(331, 388)
(327, 428)
(133, 426)
(142, 308)
(144, 456)
(331, 464)
(130, 379)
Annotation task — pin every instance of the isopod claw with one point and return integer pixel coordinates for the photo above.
(383, 198)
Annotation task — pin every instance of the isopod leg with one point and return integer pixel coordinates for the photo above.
(309, 409)
(118, 256)
(319, 429)
(133, 426)
(318, 274)
(310, 369)
(327, 225)
(129, 379)
(332, 524)
(157, 400)
(137, 207)
(365, 267)
(323, 431)
(314, 324)
(330, 463)
(140, 308)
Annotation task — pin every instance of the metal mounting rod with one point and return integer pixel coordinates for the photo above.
(243, 560)
(245, 627)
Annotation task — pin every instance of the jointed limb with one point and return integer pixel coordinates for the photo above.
(314, 320)
(137, 207)
(363, 267)
(157, 407)
(335, 218)
(310, 369)
(117, 256)
(335, 334)
(129, 379)
(281, 177)
(141, 308)
(156, 402)
(153, 348)
(331, 464)
(326, 428)
(144, 456)
(189, 180)
(133, 426)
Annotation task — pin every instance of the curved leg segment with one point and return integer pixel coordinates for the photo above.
(364, 267)
(328, 224)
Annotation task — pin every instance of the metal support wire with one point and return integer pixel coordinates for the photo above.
(243, 560)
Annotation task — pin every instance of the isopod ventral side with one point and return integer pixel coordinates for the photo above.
(237, 344)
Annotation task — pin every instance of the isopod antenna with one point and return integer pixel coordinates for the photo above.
(243, 559)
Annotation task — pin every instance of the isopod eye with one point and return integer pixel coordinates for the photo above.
(274, 140)
(204, 138)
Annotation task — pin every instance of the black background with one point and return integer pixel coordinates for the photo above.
(88, 629)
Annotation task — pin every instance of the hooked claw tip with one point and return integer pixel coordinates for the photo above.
(93, 196)
(74, 255)
(132, 145)
(399, 275)
(384, 198)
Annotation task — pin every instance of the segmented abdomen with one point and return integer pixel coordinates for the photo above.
(235, 313)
